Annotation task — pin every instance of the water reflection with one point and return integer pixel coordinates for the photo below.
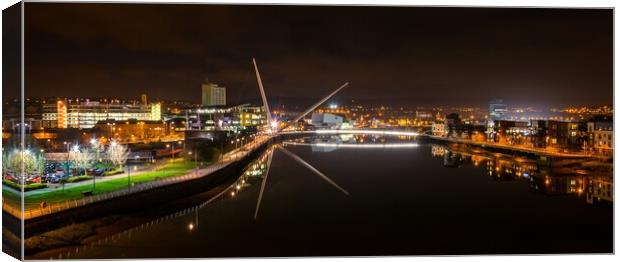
(325, 144)
(254, 172)
(405, 201)
(564, 177)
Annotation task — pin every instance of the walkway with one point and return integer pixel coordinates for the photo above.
(52, 187)
(226, 160)
(538, 151)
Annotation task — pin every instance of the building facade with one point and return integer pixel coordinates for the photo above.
(68, 113)
(213, 95)
(254, 116)
(439, 129)
(600, 135)
(134, 131)
(226, 118)
(326, 120)
(497, 109)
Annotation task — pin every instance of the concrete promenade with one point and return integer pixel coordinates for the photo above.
(226, 160)
(529, 150)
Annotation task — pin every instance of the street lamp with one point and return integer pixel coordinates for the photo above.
(195, 161)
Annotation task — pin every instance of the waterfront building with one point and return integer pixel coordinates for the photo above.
(508, 131)
(600, 135)
(538, 133)
(84, 113)
(439, 129)
(326, 120)
(252, 116)
(227, 118)
(213, 95)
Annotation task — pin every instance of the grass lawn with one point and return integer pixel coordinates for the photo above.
(177, 168)
(11, 198)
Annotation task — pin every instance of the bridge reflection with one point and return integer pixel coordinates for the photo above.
(560, 179)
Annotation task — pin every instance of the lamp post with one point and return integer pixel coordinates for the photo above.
(169, 146)
(195, 161)
(129, 173)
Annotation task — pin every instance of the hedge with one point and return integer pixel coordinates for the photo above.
(78, 178)
(113, 172)
(27, 187)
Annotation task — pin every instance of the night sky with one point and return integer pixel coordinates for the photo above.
(404, 56)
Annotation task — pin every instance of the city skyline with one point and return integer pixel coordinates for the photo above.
(177, 130)
(404, 56)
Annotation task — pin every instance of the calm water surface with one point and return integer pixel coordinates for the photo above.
(426, 199)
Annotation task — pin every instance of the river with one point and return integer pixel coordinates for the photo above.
(382, 197)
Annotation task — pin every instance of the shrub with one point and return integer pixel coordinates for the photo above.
(114, 171)
(27, 187)
(34, 186)
(77, 179)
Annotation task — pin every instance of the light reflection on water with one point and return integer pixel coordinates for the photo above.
(587, 182)
(565, 177)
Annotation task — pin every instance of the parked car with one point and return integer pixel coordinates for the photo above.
(97, 171)
(33, 179)
(56, 177)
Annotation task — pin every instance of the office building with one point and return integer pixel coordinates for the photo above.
(213, 95)
(226, 118)
(84, 113)
(497, 109)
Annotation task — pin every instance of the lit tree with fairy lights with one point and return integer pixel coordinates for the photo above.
(117, 154)
(27, 162)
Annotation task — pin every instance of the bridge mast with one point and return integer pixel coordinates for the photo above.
(312, 108)
(262, 94)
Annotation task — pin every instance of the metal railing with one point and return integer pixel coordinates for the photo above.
(51, 208)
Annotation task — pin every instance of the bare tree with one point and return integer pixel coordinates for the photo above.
(14, 161)
(117, 154)
(81, 158)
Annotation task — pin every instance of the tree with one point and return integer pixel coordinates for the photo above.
(96, 147)
(66, 166)
(22, 164)
(117, 153)
(81, 159)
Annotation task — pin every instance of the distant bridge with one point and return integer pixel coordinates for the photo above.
(354, 131)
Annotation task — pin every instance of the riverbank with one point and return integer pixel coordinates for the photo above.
(192, 183)
(76, 198)
(104, 229)
(151, 203)
(515, 149)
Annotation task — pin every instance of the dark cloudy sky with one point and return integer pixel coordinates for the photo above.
(416, 56)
